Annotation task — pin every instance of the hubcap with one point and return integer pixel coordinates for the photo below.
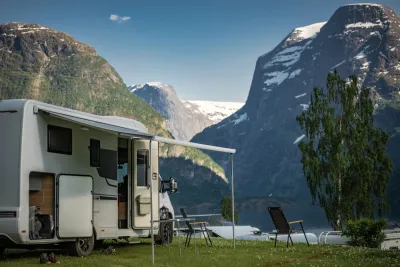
(84, 244)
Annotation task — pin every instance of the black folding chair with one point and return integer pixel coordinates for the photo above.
(282, 225)
(190, 231)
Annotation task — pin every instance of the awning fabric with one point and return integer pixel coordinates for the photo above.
(97, 123)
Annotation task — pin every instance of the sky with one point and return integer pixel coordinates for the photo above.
(205, 49)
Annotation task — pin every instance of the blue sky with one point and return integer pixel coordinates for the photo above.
(206, 49)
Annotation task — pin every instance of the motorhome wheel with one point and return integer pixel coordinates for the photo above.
(82, 247)
(166, 233)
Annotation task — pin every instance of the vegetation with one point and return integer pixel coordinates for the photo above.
(247, 253)
(365, 232)
(344, 156)
(52, 67)
(226, 209)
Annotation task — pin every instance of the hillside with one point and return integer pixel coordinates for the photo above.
(359, 39)
(181, 121)
(184, 118)
(41, 63)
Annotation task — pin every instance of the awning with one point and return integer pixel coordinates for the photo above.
(194, 145)
(94, 123)
(98, 123)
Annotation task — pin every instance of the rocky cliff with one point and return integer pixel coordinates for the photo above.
(359, 39)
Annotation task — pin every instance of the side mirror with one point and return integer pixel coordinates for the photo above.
(173, 186)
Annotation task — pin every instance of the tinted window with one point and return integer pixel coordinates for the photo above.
(94, 153)
(59, 140)
(142, 168)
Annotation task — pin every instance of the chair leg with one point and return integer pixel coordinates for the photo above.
(291, 239)
(190, 237)
(287, 242)
(208, 238)
(186, 241)
(304, 233)
(276, 237)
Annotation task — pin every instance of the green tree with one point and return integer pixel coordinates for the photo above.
(344, 156)
(226, 209)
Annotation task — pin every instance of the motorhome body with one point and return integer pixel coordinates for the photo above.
(73, 178)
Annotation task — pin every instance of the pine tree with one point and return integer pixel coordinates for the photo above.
(344, 156)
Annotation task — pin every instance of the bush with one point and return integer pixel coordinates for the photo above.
(365, 232)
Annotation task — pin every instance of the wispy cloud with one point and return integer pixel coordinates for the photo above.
(117, 18)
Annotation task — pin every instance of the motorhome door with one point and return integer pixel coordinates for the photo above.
(141, 183)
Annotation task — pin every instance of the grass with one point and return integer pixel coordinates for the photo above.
(247, 253)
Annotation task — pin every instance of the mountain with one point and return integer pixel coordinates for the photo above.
(181, 121)
(213, 110)
(359, 39)
(184, 118)
(41, 63)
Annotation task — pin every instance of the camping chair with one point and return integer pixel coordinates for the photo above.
(190, 231)
(282, 225)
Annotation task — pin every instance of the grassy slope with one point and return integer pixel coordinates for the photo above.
(74, 76)
(247, 253)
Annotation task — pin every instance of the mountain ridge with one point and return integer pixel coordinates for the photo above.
(184, 118)
(357, 39)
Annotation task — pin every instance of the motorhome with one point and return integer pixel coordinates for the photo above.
(73, 179)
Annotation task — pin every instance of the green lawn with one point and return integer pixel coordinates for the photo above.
(247, 253)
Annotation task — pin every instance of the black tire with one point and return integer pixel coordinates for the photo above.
(165, 229)
(82, 247)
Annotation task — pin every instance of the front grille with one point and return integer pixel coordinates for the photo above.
(8, 214)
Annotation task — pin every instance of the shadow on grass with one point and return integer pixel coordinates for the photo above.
(15, 254)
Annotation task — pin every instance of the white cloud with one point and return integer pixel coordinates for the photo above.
(117, 18)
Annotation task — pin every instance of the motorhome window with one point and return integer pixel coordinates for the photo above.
(94, 153)
(59, 140)
(142, 165)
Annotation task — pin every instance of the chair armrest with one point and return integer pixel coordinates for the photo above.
(198, 223)
(300, 221)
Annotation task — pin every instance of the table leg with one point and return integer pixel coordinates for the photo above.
(179, 241)
(194, 237)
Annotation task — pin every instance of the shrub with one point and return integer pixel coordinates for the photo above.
(365, 232)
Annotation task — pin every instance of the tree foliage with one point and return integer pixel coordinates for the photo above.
(344, 156)
(226, 209)
(365, 232)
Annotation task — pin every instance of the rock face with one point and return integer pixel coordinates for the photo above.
(182, 122)
(359, 39)
(184, 118)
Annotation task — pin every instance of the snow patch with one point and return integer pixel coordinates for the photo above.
(241, 118)
(295, 73)
(305, 106)
(299, 139)
(365, 66)
(306, 32)
(337, 65)
(276, 77)
(214, 110)
(298, 96)
(364, 25)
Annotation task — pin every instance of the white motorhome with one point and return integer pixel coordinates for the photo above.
(72, 178)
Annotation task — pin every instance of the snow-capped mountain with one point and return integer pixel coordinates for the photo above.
(184, 119)
(214, 110)
(359, 39)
